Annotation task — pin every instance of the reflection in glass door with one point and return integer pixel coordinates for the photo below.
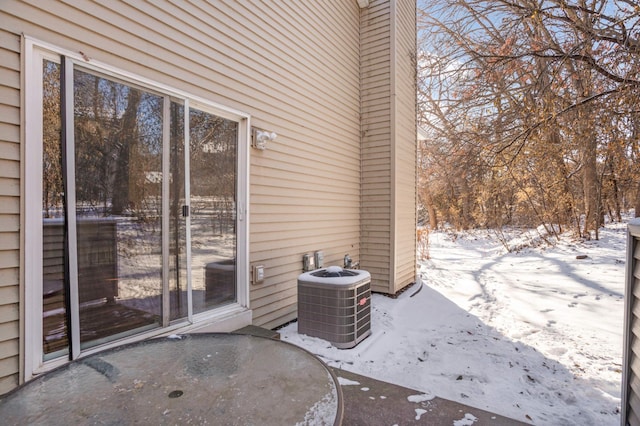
(212, 153)
(118, 198)
(54, 318)
(209, 216)
(114, 173)
(178, 277)
(148, 235)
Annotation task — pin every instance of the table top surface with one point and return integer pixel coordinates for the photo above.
(212, 378)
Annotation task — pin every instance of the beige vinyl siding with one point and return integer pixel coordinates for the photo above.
(631, 354)
(405, 143)
(9, 208)
(375, 42)
(294, 66)
(388, 143)
(338, 178)
(305, 188)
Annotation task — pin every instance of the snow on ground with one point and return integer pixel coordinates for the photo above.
(535, 335)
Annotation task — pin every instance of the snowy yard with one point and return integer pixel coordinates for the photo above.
(535, 335)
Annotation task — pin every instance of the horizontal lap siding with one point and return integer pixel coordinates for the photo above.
(294, 66)
(631, 379)
(375, 39)
(633, 371)
(389, 143)
(405, 144)
(9, 208)
(305, 185)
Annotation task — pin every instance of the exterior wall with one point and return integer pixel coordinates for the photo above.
(375, 41)
(293, 67)
(388, 42)
(9, 208)
(404, 136)
(631, 354)
(305, 185)
(340, 177)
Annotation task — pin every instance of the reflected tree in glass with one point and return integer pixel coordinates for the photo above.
(54, 333)
(213, 145)
(118, 157)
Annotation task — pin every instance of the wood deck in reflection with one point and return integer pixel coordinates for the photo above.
(97, 321)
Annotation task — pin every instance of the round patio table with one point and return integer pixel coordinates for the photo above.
(211, 378)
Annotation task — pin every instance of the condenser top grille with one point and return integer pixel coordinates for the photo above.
(334, 271)
(335, 276)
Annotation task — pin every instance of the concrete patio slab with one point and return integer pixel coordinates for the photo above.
(370, 402)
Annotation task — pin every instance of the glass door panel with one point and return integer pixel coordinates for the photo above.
(54, 319)
(212, 154)
(149, 229)
(118, 181)
(178, 299)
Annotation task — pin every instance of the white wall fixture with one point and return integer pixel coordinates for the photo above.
(259, 138)
(363, 3)
(258, 274)
(308, 262)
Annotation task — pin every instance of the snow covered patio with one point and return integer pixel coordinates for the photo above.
(533, 335)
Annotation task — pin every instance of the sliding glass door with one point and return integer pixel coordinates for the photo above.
(213, 159)
(207, 225)
(139, 208)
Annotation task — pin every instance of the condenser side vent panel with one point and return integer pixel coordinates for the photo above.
(335, 308)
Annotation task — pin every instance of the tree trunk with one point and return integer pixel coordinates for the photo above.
(590, 185)
(125, 144)
(428, 201)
